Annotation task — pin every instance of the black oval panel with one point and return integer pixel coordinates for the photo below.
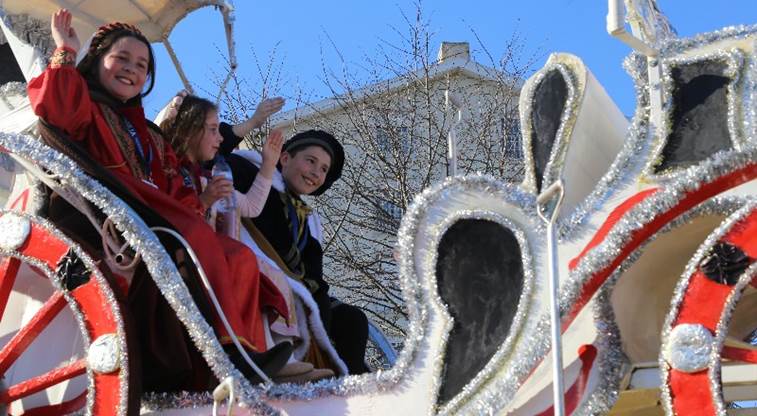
(479, 274)
(546, 112)
(700, 115)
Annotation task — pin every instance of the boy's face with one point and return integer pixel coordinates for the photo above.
(306, 171)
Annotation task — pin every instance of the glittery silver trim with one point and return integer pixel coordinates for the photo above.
(576, 84)
(721, 332)
(74, 307)
(749, 100)
(156, 402)
(688, 348)
(103, 354)
(158, 263)
(522, 312)
(31, 31)
(15, 230)
(13, 89)
(734, 61)
(427, 216)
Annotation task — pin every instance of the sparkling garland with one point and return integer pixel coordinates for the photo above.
(29, 30)
(611, 362)
(12, 89)
(576, 85)
(677, 300)
(158, 263)
(59, 285)
(734, 61)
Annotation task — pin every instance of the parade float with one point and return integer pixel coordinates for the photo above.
(630, 243)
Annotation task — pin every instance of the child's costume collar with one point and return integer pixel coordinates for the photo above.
(277, 181)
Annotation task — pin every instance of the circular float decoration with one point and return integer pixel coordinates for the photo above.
(689, 348)
(15, 231)
(104, 354)
(74, 283)
(705, 300)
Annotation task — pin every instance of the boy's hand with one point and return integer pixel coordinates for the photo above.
(266, 108)
(271, 152)
(218, 187)
(272, 148)
(63, 33)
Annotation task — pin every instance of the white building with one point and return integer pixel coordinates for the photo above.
(395, 134)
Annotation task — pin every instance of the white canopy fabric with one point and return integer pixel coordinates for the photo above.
(156, 18)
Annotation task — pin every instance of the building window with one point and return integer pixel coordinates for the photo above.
(389, 209)
(385, 136)
(513, 142)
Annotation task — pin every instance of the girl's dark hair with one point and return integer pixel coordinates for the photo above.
(105, 37)
(188, 123)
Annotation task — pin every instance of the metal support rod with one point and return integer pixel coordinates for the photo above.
(227, 10)
(451, 101)
(552, 198)
(214, 300)
(177, 65)
(616, 27)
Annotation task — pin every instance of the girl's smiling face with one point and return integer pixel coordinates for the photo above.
(122, 70)
(306, 171)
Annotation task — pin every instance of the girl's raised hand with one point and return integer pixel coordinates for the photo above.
(266, 108)
(63, 33)
(272, 148)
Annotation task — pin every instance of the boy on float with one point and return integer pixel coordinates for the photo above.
(288, 231)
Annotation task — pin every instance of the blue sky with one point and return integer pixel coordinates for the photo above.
(299, 35)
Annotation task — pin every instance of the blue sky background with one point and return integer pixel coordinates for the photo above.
(299, 35)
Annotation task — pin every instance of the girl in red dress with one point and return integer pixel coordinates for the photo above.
(98, 105)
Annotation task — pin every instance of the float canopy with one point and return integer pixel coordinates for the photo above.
(155, 18)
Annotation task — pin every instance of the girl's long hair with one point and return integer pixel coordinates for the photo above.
(183, 130)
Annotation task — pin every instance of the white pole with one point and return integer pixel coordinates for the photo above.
(451, 100)
(552, 198)
(616, 27)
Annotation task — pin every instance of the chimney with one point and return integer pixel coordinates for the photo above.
(453, 50)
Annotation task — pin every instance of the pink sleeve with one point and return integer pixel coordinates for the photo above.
(251, 204)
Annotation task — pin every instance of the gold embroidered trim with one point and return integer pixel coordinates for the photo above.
(128, 150)
(62, 57)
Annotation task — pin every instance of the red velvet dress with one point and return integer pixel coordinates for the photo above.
(61, 97)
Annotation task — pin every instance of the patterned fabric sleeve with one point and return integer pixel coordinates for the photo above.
(64, 56)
